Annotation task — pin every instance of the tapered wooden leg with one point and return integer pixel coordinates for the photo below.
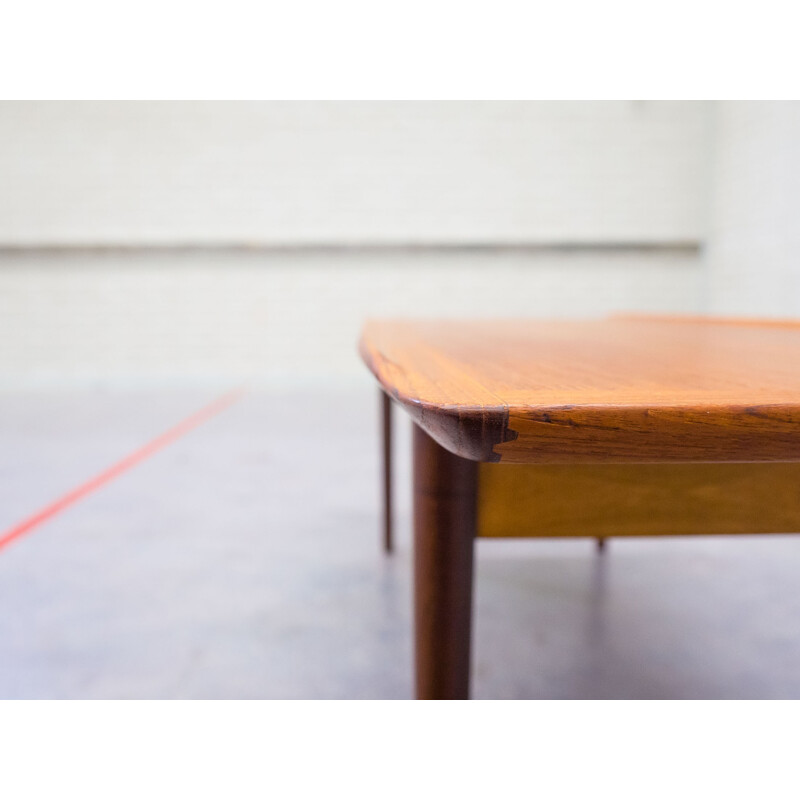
(601, 544)
(386, 414)
(444, 534)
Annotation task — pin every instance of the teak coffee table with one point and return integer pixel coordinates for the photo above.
(630, 426)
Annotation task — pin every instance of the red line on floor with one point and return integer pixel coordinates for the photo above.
(182, 428)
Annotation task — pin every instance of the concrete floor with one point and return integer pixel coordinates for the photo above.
(243, 562)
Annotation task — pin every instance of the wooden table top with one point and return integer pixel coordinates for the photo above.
(624, 389)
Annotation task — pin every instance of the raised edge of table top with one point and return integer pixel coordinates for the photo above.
(623, 389)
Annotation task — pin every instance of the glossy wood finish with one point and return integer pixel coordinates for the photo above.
(637, 500)
(606, 428)
(621, 390)
(386, 425)
(444, 532)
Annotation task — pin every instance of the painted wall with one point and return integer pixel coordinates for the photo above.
(754, 235)
(351, 172)
(251, 240)
(287, 318)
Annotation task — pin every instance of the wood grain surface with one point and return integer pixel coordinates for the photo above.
(600, 500)
(625, 389)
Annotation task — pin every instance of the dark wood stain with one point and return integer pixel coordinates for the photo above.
(444, 533)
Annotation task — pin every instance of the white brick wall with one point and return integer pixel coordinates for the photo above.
(754, 241)
(287, 318)
(330, 172)
(583, 174)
